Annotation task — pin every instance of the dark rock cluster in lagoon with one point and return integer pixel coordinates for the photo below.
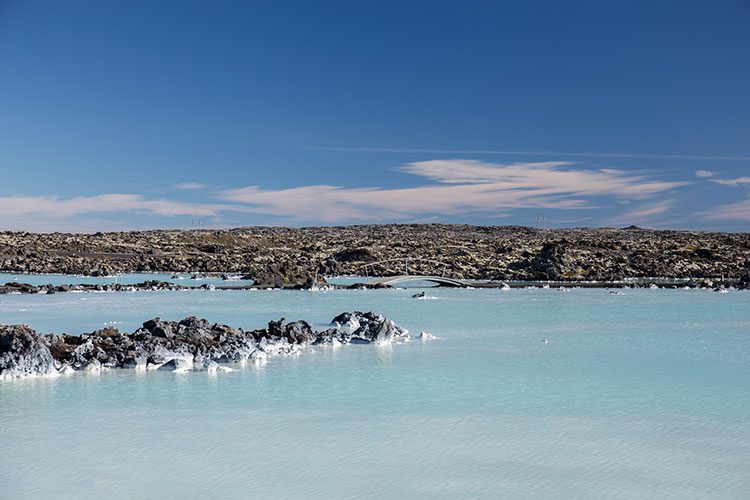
(190, 344)
(151, 285)
(280, 257)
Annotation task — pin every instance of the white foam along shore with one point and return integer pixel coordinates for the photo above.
(192, 344)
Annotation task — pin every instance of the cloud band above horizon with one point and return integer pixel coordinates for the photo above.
(449, 188)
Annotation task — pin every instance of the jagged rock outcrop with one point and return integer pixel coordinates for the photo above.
(363, 328)
(190, 344)
(23, 353)
(549, 263)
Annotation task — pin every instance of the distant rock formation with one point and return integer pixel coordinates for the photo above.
(295, 257)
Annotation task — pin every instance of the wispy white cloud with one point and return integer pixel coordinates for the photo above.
(558, 154)
(477, 172)
(739, 211)
(53, 206)
(190, 185)
(559, 178)
(449, 188)
(459, 187)
(739, 181)
(642, 214)
(704, 173)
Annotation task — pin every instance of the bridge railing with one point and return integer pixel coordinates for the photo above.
(405, 260)
(440, 280)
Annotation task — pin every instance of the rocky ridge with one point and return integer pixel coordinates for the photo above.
(285, 257)
(190, 344)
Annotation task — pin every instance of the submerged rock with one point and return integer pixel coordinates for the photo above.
(190, 344)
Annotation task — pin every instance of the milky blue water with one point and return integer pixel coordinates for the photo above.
(642, 395)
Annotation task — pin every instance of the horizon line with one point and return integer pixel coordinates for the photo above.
(645, 227)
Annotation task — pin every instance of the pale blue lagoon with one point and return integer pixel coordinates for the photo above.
(641, 395)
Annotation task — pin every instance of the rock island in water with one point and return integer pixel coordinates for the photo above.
(190, 344)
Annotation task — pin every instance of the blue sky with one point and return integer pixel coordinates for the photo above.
(145, 114)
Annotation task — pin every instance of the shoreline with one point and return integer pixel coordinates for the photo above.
(18, 288)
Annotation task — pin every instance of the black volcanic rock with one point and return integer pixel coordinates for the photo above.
(190, 344)
(158, 328)
(549, 263)
(281, 257)
(23, 352)
(355, 255)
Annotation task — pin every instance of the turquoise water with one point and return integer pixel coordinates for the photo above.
(642, 395)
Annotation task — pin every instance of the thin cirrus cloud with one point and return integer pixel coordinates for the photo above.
(739, 181)
(190, 185)
(642, 214)
(739, 211)
(52, 206)
(704, 173)
(559, 154)
(457, 187)
(449, 188)
(708, 174)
